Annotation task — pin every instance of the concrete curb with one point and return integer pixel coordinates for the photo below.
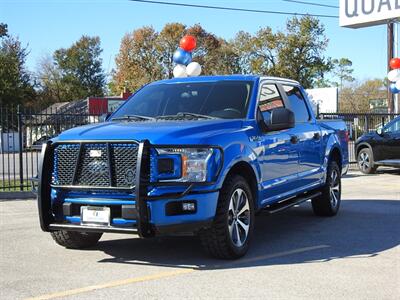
(4, 196)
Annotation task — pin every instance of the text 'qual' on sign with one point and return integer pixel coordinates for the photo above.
(364, 13)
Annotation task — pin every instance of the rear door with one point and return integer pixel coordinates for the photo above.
(278, 157)
(307, 134)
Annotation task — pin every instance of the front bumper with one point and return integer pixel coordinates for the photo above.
(150, 202)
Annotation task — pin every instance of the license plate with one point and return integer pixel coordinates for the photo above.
(95, 215)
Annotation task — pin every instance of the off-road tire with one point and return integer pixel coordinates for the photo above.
(365, 156)
(75, 239)
(217, 240)
(325, 204)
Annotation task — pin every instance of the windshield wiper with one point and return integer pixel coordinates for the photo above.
(133, 118)
(186, 114)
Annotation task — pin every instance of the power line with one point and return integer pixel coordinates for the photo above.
(312, 3)
(234, 9)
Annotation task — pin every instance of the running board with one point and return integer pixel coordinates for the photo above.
(86, 228)
(285, 204)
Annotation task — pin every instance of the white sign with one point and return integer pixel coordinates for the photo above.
(325, 98)
(363, 13)
(114, 104)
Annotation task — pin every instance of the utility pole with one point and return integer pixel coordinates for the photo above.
(396, 54)
(390, 55)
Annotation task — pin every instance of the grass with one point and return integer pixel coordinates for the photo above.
(14, 185)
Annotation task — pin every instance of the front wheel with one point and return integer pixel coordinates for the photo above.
(365, 161)
(328, 203)
(230, 234)
(75, 239)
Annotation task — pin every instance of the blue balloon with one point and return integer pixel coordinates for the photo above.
(182, 57)
(394, 89)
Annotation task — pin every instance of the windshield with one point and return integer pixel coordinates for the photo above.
(221, 99)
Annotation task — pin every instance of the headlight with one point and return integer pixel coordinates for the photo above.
(185, 164)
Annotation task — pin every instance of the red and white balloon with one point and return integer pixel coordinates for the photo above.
(183, 58)
(394, 75)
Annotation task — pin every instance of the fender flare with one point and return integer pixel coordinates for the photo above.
(332, 145)
(233, 157)
(363, 145)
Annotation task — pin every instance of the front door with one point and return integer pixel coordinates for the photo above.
(278, 157)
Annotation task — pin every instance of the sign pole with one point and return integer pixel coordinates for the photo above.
(396, 53)
(390, 53)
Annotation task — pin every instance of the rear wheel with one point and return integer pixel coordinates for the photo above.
(365, 161)
(328, 203)
(75, 239)
(232, 228)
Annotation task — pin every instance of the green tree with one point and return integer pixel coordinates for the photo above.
(3, 30)
(138, 61)
(342, 71)
(166, 44)
(146, 55)
(296, 53)
(80, 67)
(73, 73)
(357, 96)
(52, 87)
(15, 81)
(208, 52)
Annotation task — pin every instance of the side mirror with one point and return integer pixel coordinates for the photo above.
(104, 117)
(379, 131)
(281, 118)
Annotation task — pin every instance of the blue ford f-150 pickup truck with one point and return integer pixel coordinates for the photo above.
(199, 155)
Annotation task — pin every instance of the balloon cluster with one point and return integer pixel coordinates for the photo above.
(394, 75)
(183, 58)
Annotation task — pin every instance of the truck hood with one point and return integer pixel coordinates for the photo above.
(161, 132)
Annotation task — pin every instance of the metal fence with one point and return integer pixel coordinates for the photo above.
(22, 132)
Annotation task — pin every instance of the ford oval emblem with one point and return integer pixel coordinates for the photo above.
(130, 176)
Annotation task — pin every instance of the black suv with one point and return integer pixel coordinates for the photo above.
(379, 148)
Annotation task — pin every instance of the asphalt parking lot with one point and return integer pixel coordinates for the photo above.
(294, 255)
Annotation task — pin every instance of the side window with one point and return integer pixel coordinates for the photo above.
(393, 128)
(297, 103)
(269, 99)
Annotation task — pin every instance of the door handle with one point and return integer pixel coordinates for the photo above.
(294, 139)
(317, 136)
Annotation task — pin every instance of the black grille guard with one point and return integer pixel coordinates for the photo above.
(144, 229)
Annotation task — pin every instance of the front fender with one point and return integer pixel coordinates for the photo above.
(235, 153)
(363, 145)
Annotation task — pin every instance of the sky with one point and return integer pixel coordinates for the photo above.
(47, 25)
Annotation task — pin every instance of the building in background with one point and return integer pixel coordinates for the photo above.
(379, 106)
(324, 100)
(102, 105)
(58, 117)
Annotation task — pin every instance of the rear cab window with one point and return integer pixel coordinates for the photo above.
(297, 103)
